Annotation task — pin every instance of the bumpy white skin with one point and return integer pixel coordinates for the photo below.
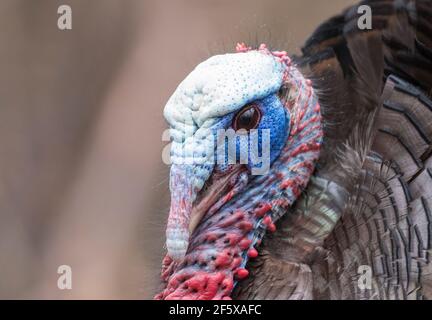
(218, 86)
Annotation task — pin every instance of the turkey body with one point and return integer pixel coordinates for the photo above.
(362, 229)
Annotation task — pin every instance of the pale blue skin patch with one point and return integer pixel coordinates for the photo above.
(274, 118)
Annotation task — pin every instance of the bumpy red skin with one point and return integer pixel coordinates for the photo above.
(222, 243)
(199, 284)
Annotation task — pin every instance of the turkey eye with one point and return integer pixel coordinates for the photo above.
(248, 118)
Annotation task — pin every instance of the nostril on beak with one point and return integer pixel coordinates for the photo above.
(177, 242)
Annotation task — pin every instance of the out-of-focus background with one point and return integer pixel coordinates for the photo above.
(82, 182)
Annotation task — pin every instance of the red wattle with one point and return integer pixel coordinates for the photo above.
(242, 273)
(252, 253)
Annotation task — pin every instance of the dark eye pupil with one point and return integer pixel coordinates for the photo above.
(248, 118)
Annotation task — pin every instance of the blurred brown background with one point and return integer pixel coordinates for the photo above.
(82, 182)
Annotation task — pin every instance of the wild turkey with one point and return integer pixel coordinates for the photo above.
(350, 180)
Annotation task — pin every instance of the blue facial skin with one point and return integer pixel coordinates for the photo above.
(274, 117)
